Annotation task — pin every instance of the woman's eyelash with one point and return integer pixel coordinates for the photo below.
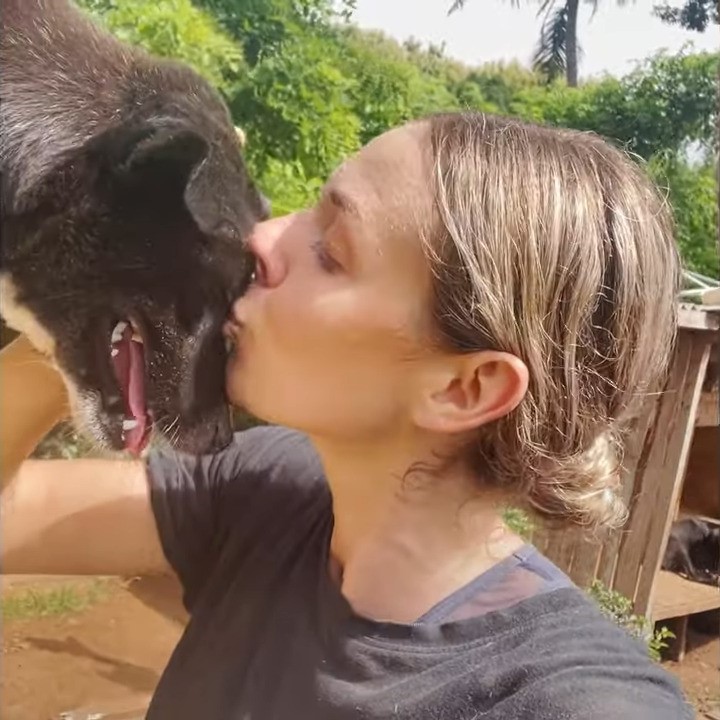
(326, 260)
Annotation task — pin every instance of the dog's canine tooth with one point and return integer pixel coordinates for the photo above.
(135, 332)
(129, 424)
(118, 331)
(114, 352)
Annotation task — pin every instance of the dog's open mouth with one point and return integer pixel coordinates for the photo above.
(127, 351)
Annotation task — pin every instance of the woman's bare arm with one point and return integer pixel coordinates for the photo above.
(32, 402)
(65, 516)
(76, 517)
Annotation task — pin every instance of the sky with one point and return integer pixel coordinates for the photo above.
(492, 30)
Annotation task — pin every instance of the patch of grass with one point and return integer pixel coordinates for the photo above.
(62, 600)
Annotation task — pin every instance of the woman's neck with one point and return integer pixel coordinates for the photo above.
(405, 539)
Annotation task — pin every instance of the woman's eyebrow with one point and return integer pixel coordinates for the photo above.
(343, 202)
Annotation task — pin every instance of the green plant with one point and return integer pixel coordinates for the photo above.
(518, 521)
(63, 442)
(619, 609)
(33, 603)
(179, 30)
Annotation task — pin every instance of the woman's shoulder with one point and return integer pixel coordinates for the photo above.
(589, 665)
(270, 460)
(257, 460)
(275, 448)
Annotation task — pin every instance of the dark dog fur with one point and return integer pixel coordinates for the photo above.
(693, 550)
(124, 195)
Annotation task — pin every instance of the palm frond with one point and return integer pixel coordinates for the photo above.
(550, 56)
(456, 5)
(460, 4)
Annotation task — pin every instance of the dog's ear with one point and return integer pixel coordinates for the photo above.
(156, 157)
(171, 157)
(168, 149)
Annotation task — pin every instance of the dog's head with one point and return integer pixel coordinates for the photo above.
(706, 553)
(122, 268)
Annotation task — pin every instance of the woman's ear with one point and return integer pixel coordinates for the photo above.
(462, 392)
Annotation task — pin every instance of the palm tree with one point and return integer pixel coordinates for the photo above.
(557, 50)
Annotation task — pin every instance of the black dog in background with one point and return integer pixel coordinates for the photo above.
(125, 203)
(693, 550)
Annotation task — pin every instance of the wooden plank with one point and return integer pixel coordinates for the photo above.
(701, 489)
(540, 536)
(557, 540)
(656, 481)
(671, 471)
(631, 468)
(585, 560)
(676, 597)
(697, 318)
(709, 409)
(566, 554)
(631, 549)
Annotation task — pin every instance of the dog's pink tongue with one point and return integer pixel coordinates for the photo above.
(129, 364)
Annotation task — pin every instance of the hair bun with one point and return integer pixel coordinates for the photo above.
(582, 487)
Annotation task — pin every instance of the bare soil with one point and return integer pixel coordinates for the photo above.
(108, 657)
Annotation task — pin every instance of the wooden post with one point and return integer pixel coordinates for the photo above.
(644, 543)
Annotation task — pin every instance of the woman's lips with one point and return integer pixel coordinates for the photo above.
(232, 329)
(232, 332)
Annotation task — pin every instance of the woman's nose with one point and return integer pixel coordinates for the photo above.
(266, 245)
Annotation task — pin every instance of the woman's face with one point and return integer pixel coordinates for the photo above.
(332, 335)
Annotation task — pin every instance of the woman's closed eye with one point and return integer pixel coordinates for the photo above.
(327, 260)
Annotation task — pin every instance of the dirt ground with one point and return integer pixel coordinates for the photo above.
(107, 656)
(99, 646)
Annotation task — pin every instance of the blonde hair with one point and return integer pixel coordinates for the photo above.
(553, 246)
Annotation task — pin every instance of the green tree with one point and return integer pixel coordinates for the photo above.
(309, 90)
(175, 29)
(558, 51)
(693, 15)
(692, 194)
(667, 102)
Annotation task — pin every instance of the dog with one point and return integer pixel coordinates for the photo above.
(693, 550)
(125, 206)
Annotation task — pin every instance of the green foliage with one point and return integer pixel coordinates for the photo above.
(692, 193)
(309, 91)
(695, 15)
(663, 104)
(297, 99)
(518, 521)
(63, 442)
(619, 609)
(175, 29)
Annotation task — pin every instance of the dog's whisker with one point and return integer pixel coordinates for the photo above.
(173, 424)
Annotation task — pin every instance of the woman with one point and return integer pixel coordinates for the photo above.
(467, 318)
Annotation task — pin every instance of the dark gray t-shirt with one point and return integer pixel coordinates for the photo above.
(272, 638)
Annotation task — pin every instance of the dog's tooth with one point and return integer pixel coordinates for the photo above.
(136, 338)
(129, 424)
(114, 352)
(118, 331)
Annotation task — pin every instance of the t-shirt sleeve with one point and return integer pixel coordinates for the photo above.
(654, 695)
(241, 493)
